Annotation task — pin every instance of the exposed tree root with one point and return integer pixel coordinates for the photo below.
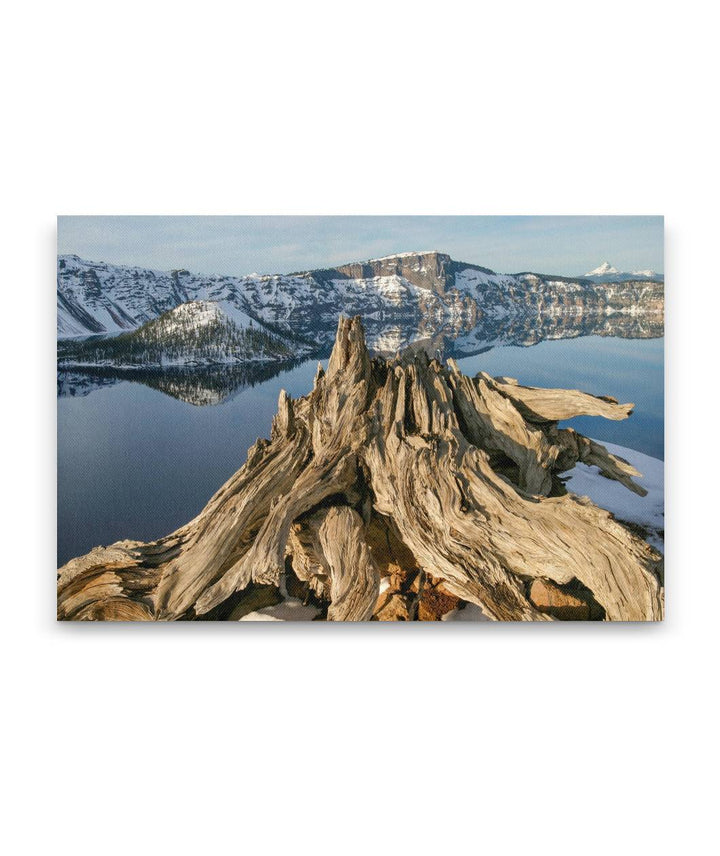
(396, 489)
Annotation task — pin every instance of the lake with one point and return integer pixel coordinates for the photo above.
(137, 460)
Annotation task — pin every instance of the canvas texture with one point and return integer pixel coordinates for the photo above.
(361, 431)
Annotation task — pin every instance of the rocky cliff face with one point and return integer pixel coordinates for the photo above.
(430, 270)
(422, 295)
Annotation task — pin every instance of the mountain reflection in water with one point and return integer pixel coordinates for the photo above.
(197, 386)
(202, 386)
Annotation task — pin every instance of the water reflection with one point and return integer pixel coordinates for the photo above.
(199, 386)
(213, 385)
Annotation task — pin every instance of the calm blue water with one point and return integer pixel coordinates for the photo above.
(136, 463)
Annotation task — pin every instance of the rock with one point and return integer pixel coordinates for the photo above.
(393, 606)
(551, 599)
(435, 602)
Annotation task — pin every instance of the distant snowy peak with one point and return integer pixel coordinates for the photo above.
(604, 268)
(608, 273)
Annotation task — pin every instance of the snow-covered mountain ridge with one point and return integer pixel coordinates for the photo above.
(196, 333)
(426, 292)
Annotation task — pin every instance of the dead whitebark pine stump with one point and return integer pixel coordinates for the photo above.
(397, 489)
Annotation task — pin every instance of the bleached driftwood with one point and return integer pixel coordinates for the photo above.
(404, 470)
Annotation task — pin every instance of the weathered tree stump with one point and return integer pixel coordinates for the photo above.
(405, 471)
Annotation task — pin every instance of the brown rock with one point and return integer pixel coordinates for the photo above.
(551, 599)
(393, 607)
(435, 602)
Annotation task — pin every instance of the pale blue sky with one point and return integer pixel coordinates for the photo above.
(239, 245)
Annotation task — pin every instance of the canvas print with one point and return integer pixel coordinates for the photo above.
(321, 419)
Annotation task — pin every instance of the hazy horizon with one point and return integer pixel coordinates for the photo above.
(237, 245)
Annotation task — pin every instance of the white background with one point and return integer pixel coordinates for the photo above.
(340, 739)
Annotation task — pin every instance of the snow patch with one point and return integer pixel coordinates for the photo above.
(470, 612)
(291, 609)
(646, 511)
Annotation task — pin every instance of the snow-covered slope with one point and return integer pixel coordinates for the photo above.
(96, 297)
(195, 333)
